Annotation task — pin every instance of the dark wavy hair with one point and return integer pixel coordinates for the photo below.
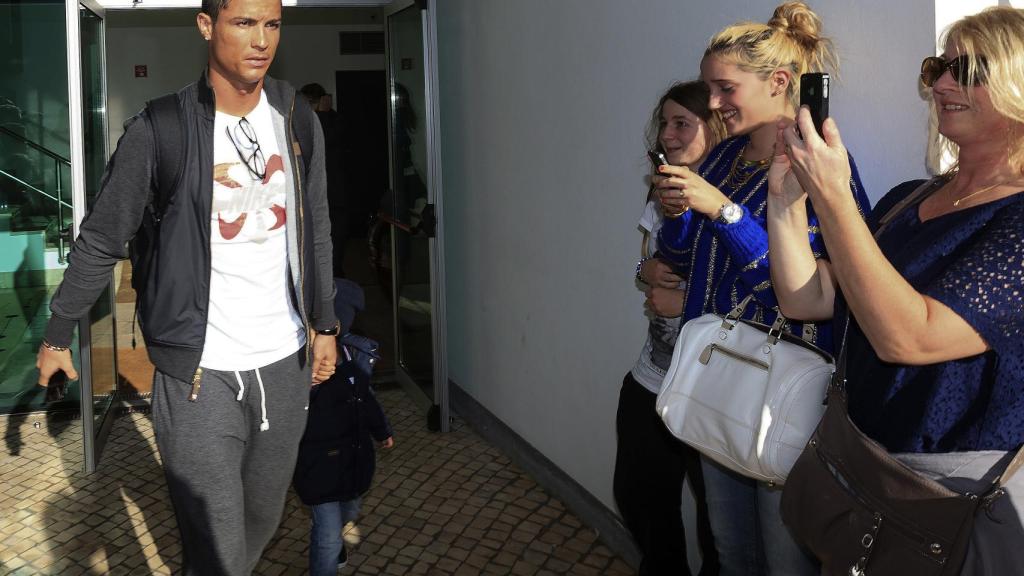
(212, 8)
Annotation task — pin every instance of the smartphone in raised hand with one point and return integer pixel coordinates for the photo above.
(814, 88)
(657, 159)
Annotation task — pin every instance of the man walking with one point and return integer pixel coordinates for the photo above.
(233, 278)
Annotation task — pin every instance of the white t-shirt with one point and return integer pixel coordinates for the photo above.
(649, 370)
(252, 321)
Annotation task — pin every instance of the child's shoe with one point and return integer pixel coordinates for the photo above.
(342, 558)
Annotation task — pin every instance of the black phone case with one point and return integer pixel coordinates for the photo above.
(655, 159)
(814, 88)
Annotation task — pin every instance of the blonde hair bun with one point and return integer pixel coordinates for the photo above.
(792, 39)
(798, 21)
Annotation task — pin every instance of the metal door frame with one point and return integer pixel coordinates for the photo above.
(93, 437)
(439, 332)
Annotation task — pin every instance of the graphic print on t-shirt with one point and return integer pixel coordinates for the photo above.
(242, 204)
(252, 321)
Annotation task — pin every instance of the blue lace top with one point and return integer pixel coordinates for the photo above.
(726, 262)
(973, 262)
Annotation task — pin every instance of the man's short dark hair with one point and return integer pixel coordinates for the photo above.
(212, 8)
(313, 92)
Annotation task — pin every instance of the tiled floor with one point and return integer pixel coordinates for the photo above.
(441, 504)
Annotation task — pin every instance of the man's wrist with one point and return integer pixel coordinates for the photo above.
(332, 331)
(53, 348)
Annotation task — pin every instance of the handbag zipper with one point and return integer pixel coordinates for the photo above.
(705, 356)
(931, 542)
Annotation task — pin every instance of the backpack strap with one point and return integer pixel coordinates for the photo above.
(166, 121)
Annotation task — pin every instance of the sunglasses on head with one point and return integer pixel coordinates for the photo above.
(934, 67)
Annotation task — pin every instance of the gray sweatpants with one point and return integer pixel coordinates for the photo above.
(227, 478)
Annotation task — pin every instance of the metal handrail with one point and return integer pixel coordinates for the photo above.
(63, 233)
(33, 188)
(31, 144)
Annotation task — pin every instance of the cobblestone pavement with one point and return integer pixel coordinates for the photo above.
(441, 504)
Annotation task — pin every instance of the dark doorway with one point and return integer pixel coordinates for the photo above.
(362, 103)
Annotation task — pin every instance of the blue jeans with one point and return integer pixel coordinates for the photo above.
(745, 521)
(325, 540)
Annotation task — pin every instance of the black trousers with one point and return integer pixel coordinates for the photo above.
(650, 465)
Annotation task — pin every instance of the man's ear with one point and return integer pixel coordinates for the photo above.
(205, 24)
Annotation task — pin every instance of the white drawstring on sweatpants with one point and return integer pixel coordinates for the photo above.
(241, 387)
(264, 422)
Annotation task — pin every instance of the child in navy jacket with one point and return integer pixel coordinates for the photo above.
(336, 456)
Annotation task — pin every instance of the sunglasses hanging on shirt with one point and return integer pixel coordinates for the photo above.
(933, 67)
(244, 139)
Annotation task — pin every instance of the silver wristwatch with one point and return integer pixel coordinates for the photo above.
(730, 214)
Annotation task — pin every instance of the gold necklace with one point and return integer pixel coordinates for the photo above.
(741, 171)
(957, 202)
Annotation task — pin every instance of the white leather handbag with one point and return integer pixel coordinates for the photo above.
(745, 394)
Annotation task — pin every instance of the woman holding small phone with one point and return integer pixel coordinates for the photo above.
(935, 360)
(650, 463)
(715, 234)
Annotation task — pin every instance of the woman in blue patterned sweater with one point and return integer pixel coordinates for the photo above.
(935, 354)
(719, 242)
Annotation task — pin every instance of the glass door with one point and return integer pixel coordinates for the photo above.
(52, 154)
(87, 97)
(36, 204)
(414, 208)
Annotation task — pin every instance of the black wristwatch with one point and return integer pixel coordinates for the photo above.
(332, 331)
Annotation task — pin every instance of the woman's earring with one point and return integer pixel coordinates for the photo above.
(779, 88)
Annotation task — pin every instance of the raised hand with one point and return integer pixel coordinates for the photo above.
(783, 186)
(680, 189)
(822, 165)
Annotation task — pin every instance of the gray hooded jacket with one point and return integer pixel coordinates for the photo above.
(173, 298)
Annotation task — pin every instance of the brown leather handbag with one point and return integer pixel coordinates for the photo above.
(860, 511)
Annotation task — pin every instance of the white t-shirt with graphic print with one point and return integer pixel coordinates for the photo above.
(252, 321)
(662, 333)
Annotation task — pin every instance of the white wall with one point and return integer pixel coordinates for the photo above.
(176, 55)
(543, 106)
